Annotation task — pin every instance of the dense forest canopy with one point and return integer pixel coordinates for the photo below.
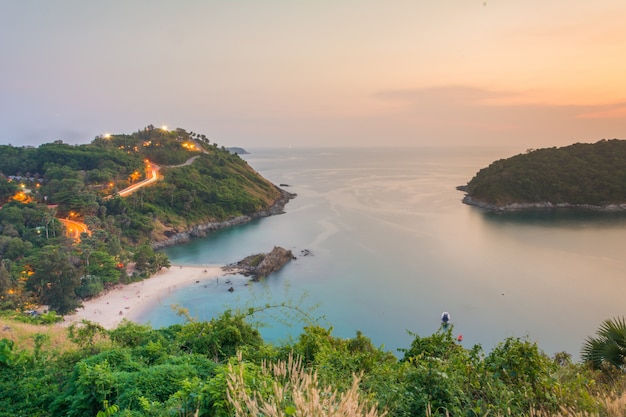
(47, 191)
(579, 174)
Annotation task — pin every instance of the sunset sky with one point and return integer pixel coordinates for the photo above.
(530, 73)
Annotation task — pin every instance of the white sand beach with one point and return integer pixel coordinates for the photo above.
(129, 301)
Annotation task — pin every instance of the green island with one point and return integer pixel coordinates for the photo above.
(74, 217)
(583, 175)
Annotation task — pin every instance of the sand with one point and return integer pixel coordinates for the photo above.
(130, 301)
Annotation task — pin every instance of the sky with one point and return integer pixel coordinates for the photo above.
(310, 73)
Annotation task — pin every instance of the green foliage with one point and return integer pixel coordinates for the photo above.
(7, 190)
(85, 334)
(439, 345)
(526, 373)
(591, 174)
(129, 334)
(6, 352)
(438, 375)
(173, 371)
(56, 279)
(108, 410)
(219, 338)
(608, 347)
(46, 318)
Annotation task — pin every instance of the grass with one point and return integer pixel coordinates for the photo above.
(23, 335)
(287, 389)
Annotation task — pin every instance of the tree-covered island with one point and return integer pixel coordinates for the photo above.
(73, 217)
(591, 176)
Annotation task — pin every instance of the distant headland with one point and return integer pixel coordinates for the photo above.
(583, 175)
(238, 151)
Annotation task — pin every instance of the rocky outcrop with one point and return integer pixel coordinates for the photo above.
(539, 205)
(262, 264)
(201, 230)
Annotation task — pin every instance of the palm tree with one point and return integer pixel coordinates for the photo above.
(609, 345)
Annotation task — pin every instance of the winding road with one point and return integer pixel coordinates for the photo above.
(153, 177)
(74, 228)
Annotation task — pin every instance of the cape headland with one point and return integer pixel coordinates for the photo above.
(584, 176)
(95, 209)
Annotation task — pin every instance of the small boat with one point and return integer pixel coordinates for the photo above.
(445, 318)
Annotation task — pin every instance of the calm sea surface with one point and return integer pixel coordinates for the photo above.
(392, 246)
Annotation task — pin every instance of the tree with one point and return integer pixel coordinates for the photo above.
(161, 261)
(56, 278)
(609, 345)
(221, 337)
(148, 261)
(7, 190)
(104, 266)
(5, 278)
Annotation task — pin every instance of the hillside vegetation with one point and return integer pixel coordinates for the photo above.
(576, 175)
(44, 189)
(224, 368)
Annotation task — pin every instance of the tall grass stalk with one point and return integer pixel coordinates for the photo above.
(288, 389)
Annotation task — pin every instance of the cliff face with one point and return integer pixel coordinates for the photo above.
(201, 230)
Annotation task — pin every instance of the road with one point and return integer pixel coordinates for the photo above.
(154, 176)
(73, 229)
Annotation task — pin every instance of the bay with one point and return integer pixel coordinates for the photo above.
(392, 246)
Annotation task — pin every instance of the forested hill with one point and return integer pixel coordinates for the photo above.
(48, 191)
(590, 175)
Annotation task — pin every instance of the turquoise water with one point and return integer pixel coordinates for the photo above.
(392, 246)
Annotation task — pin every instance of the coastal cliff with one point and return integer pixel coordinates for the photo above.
(172, 238)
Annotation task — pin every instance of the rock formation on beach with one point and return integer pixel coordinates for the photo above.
(262, 264)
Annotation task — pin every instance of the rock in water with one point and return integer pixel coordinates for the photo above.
(263, 264)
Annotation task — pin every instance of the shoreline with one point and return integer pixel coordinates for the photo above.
(613, 207)
(130, 301)
(203, 229)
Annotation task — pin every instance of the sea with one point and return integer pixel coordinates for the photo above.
(384, 245)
